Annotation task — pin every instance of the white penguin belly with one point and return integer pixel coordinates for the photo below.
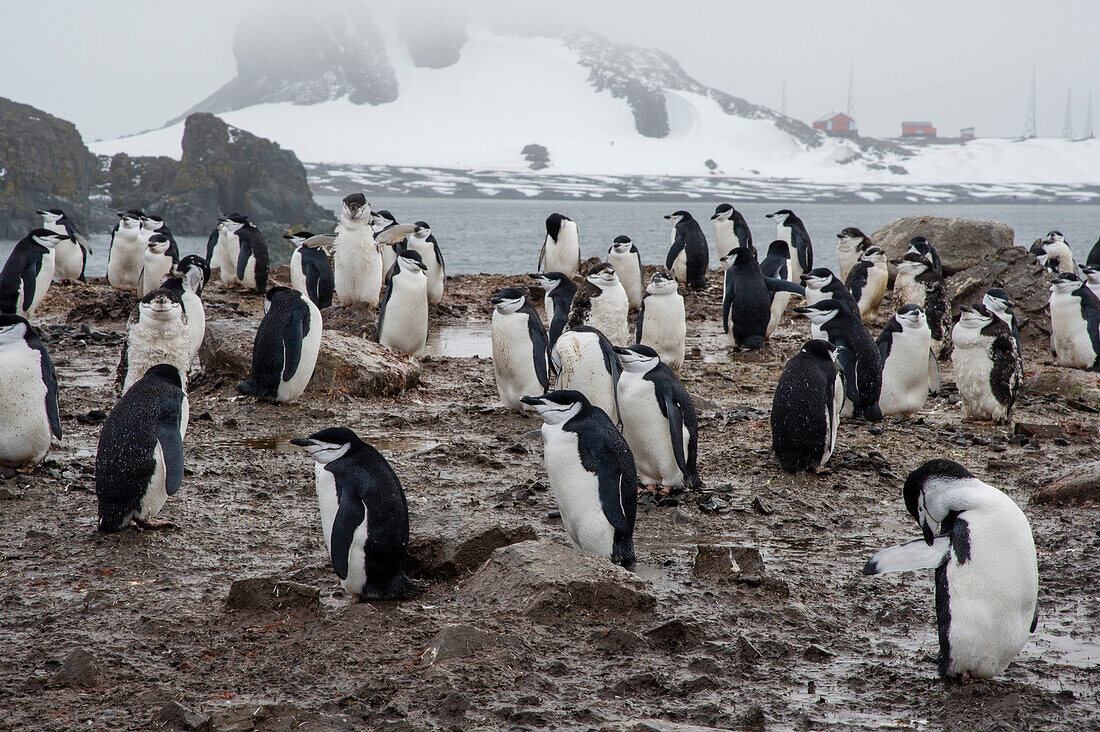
(1069, 333)
(307, 362)
(513, 359)
(871, 297)
(41, 286)
(779, 306)
(405, 327)
(725, 240)
(609, 315)
(973, 367)
(69, 260)
(664, 328)
(24, 423)
(357, 264)
(582, 369)
(577, 492)
(846, 258)
(229, 249)
(435, 272)
(124, 262)
(249, 279)
(565, 255)
(647, 433)
(297, 276)
(389, 256)
(153, 343)
(832, 420)
(327, 500)
(155, 494)
(679, 266)
(196, 324)
(905, 374)
(155, 267)
(630, 276)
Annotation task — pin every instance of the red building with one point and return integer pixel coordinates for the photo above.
(917, 129)
(837, 125)
(967, 133)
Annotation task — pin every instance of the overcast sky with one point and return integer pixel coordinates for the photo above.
(119, 66)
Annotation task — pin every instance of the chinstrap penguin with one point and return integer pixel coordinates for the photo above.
(558, 301)
(1092, 278)
(987, 370)
(789, 228)
(28, 272)
(920, 245)
(918, 283)
(856, 353)
(1074, 323)
(689, 255)
(730, 230)
(520, 348)
(197, 262)
(776, 265)
(999, 303)
(284, 352)
(585, 361)
(310, 269)
(747, 299)
(357, 262)
(1053, 252)
(150, 225)
(381, 221)
(29, 413)
(403, 312)
(662, 324)
(602, 303)
(126, 252)
(821, 284)
(561, 249)
(850, 243)
(806, 408)
(186, 285)
(1093, 260)
(867, 282)
(910, 371)
(156, 333)
(156, 264)
(422, 241)
(627, 261)
(71, 254)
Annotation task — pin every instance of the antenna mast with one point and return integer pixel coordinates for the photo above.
(783, 100)
(1029, 124)
(851, 89)
(1088, 120)
(1067, 125)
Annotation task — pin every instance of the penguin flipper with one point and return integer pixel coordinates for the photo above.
(675, 249)
(171, 444)
(847, 361)
(775, 285)
(641, 319)
(349, 517)
(49, 378)
(243, 255)
(911, 556)
(617, 477)
(540, 345)
(438, 254)
(614, 367)
(293, 332)
(382, 307)
(30, 277)
(392, 233)
(542, 256)
(211, 242)
(934, 382)
(675, 431)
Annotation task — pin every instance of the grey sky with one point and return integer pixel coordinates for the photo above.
(119, 66)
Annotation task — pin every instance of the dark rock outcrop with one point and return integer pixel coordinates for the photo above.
(961, 243)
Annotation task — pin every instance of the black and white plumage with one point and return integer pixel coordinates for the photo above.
(357, 261)
(561, 249)
(28, 272)
(284, 352)
(1093, 260)
(987, 369)
(1074, 323)
(585, 361)
(422, 241)
(999, 303)
(364, 515)
(747, 299)
(127, 250)
(71, 254)
(252, 257)
(689, 255)
(381, 221)
(29, 413)
(730, 230)
(806, 408)
(156, 264)
(186, 285)
(591, 473)
(1092, 278)
(403, 312)
(789, 228)
(1053, 252)
(156, 333)
(920, 245)
(197, 263)
(867, 282)
(627, 261)
(151, 225)
(856, 353)
(662, 323)
(310, 269)
(821, 284)
(520, 348)
(776, 265)
(910, 371)
(602, 303)
(139, 461)
(987, 581)
(659, 421)
(850, 244)
(918, 283)
(558, 301)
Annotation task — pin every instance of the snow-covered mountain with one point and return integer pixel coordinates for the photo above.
(344, 83)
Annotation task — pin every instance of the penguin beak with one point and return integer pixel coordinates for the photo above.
(534, 401)
(804, 310)
(712, 218)
(301, 441)
(929, 537)
(495, 300)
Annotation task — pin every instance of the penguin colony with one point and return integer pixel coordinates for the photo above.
(616, 417)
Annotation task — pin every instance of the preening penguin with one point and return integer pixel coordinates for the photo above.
(156, 264)
(601, 303)
(28, 394)
(918, 283)
(689, 255)
(585, 361)
(920, 245)
(987, 370)
(592, 474)
(747, 300)
(661, 321)
(520, 348)
(731, 231)
(28, 272)
(627, 261)
(789, 228)
(776, 265)
(422, 241)
(284, 352)
(557, 300)
(139, 461)
(1054, 253)
(156, 333)
(987, 581)
(1074, 323)
(364, 516)
(194, 261)
(251, 264)
(310, 270)
(357, 262)
(910, 371)
(659, 421)
(850, 244)
(856, 353)
(806, 408)
(403, 312)
(127, 250)
(867, 282)
(561, 250)
(71, 254)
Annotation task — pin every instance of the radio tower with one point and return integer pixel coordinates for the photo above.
(1088, 120)
(1067, 125)
(783, 100)
(852, 90)
(1029, 124)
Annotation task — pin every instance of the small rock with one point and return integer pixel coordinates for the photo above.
(79, 669)
(724, 563)
(747, 650)
(262, 594)
(457, 641)
(875, 429)
(754, 719)
(176, 714)
(675, 635)
(447, 549)
(760, 507)
(817, 654)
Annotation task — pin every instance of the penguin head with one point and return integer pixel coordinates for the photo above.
(927, 476)
(195, 269)
(277, 292)
(158, 244)
(165, 372)
(723, 212)
(817, 279)
(779, 248)
(780, 216)
(997, 301)
(548, 280)
(851, 237)
(1091, 274)
(1065, 283)
(328, 444)
(974, 317)
(234, 222)
(919, 245)
(662, 283)
(558, 407)
(298, 238)
(821, 312)
(152, 223)
(603, 276)
(740, 255)
(1053, 237)
(47, 238)
(622, 244)
(638, 359)
(553, 224)
(677, 216)
(381, 219)
(874, 255)
(422, 230)
(411, 261)
(509, 299)
(355, 205)
(130, 219)
(12, 329)
(820, 348)
(911, 317)
(914, 263)
(161, 304)
(51, 215)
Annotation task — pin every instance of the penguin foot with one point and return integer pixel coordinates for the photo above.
(151, 524)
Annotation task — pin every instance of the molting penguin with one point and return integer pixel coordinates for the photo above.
(1074, 323)
(856, 353)
(157, 263)
(585, 361)
(381, 221)
(520, 348)
(284, 352)
(364, 516)
(561, 250)
(357, 262)
(747, 301)
(999, 304)
(28, 394)
(821, 284)
(28, 272)
(71, 254)
(731, 231)
(403, 313)
(126, 252)
(139, 461)
(661, 321)
(776, 265)
(867, 282)
(910, 371)
(422, 241)
(806, 408)
(1054, 253)
(918, 283)
(987, 581)
(987, 370)
(789, 228)
(920, 245)
(310, 270)
(689, 255)
(627, 261)
(156, 333)
(601, 303)
(592, 474)
(558, 301)
(659, 421)
(850, 243)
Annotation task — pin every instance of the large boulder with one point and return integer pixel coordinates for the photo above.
(961, 243)
(1014, 270)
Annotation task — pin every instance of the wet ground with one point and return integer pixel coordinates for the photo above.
(133, 630)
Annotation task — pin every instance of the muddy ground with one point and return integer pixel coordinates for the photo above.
(133, 631)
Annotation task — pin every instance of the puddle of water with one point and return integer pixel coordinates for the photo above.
(281, 443)
(461, 341)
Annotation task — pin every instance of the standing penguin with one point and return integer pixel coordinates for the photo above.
(987, 580)
(821, 284)
(310, 270)
(661, 321)
(789, 228)
(557, 301)
(1054, 253)
(627, 261)
(156, 333)
(379, 222)
(520, 348)
(601, 303)
(920, 245)
(139, 461)
(127, 249)
(747, 301)
(403, 313)
(28, 272)
(806, 408)
(1092, 278)
(250, 267)
(151, 225)
(422, 241)
(561, 250)
(357, 262)
(592, 474)
(689, 255)
(867, 282)
(910, 371)
(987, 370)
(28, 394)
(186, 285)
(918, 283)
(1074, 323)
(659, 421)
(730, 230)
(776, 266)
(850, 243)
(284, 352)
(855, 352)
(71, 254)
(999, 304)
(157, 263)
(364, 516)
(585, 361)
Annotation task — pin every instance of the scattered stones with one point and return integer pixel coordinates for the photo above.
(175, 714)
(78, 670)
(724, 563)
(1080, 484)
(448, 549)
(1044, 431)
(258, 714)
(654, 725)
(1082, 387)
(457, 641)
(263, 594)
